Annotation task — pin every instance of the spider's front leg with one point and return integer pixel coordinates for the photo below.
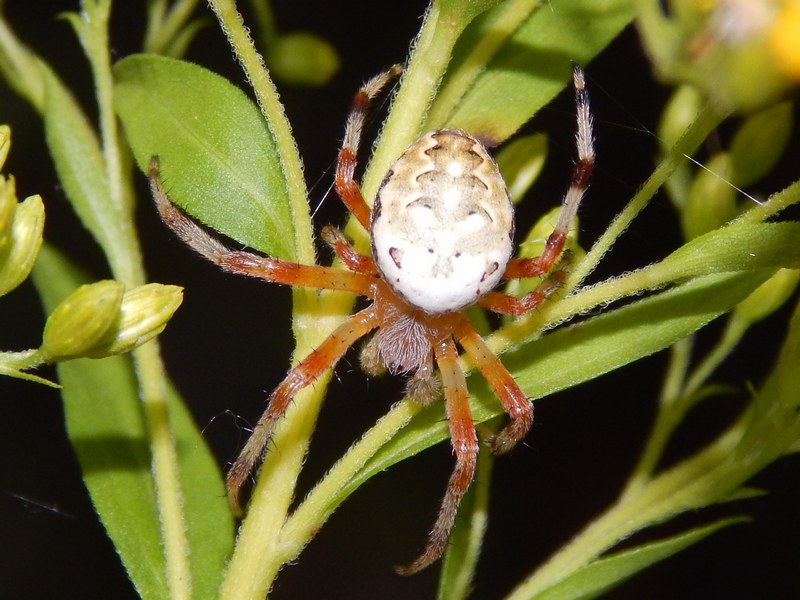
(246, 263)
(346, 185)
(324, 357)
(465, 447)
(554, 246)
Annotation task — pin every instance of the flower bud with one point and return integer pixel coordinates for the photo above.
(21, 245)
(679, 112)
(520, 161)
(759, 143)
(81, 321)
(143, 314)
(5, 143)
(711, 200)
(768, 297)
(8, 204)
(785, 39)
(302, 58)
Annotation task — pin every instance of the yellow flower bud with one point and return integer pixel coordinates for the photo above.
(740, 53)
(81, 321)
(143, 314)
(5, 143)
(21, 246)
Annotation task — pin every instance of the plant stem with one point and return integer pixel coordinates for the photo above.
(267, 96)
(705, 122)
(431, 54)
(125, 258)
(317, 506)
(150, 372)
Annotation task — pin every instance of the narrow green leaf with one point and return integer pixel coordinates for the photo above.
(605, 573)
(217, 157)
(81, 168)
(106, 427)
(528, 69)
(573, 355)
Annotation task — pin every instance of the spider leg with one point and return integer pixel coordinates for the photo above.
(246, 263)
(324, 357)
(465, 447)
(509, 305)
(517, 405)
(346, 185)
(346, 253)
(533, 267)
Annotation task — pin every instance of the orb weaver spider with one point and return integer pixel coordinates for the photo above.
(441, 232)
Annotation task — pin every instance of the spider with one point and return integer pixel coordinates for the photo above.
(441, 231)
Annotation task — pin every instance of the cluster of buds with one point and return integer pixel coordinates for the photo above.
(21, 227)
(102, 319)
(96, 320)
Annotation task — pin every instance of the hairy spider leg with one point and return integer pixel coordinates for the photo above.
(346, 185)
(519, 268)
(514, 401)
(324, 357)
(244, 263)
(465, 446)
(346, 253)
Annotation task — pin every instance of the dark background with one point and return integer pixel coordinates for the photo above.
(229, 344)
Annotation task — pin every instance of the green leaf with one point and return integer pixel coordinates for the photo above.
(81, 168)
(605, 573)
(573, 355)
(217, 157)
(528, 46)
(106, 427)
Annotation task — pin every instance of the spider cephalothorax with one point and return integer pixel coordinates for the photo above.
(441, 234)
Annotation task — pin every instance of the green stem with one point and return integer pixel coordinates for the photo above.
(318, 505)
(267, 96)
(672, 389)
(692, 484)
(431, 54)
(505, 21)
(126, 262)
(150, 372)
(705, 122)
(259, 552)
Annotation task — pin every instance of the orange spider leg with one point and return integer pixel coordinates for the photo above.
(517, 405)
(346, 185)
(465, 447)
(509, 305)
(346, 253)
(520, 268)
(245, 263)
(324, 357)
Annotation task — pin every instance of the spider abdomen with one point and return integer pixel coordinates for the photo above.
(442, 223)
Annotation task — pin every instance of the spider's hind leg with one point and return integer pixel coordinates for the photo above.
(465, 447)
(324, 357)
